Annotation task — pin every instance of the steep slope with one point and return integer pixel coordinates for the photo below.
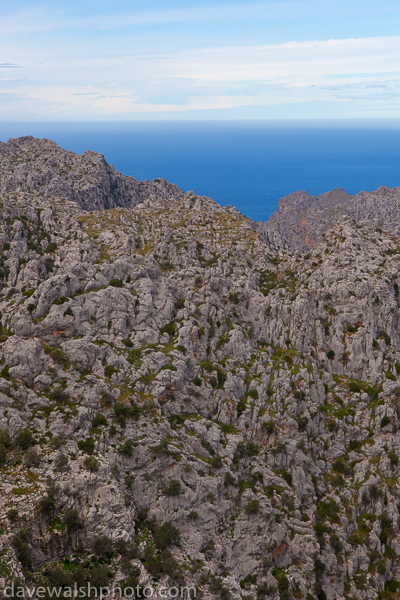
(44, 169)
(179, 406)
(301, 219)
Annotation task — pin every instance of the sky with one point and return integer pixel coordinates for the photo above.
(108, 60)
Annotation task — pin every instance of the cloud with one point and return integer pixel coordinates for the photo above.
(9, 66)
(362, 71)
(292, 59)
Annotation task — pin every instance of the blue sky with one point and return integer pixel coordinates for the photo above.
(103, 60)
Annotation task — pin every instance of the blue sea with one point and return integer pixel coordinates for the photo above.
(248, 164)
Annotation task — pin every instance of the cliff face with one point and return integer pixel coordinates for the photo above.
(181, 406)
(43, 169)
(301, 219)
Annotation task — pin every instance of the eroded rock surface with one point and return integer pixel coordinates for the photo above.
(182, 405)
(301, 219)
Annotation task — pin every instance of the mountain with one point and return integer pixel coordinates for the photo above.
(182, 405)
(301, 219)
(45, 170)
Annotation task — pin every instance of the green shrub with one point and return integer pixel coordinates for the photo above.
(161, 563)
(168, 328)
(330, 354)
(87, 445)
(213, 382)
(28, 293)
(328, 510)
(354, 387)
(269, 427)
(229, 479)
(252, 507)
(13, 515)
(58, 395)
(68, 312)
(180, 303)
(57, 355)
(384, 336)
(3, 455)
(99, 420)
(57, 441)
(166, 535)
(352, 328)
(124, 410)
(61, 300)
(169, 367)
(340, 467)
(102, 546)
(386, 528)
(385, 421)
(302, 423)
(109, 370)
(248, 581)
(394, 459)
(72, 520)
(46, 505)
(134, 356)
(24, 439)
(61, 462)
(32, 458)
(22, 548)
(56, 576)
(264, 589)
(216, 462)
(116, 282)
(174, 488)
(375, 492)
(126, 448)
(283, 583)
(128, 342)
(99, 576)
(5, 372)
(91, 463)
(252, 449)
(52, 247)
(355, 445)
(241, 406)
(392, 585)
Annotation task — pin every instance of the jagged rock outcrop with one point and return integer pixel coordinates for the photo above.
(301, 219)
(45, 170)
(180, 405)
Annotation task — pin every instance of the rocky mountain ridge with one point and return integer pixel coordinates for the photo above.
(301, 219)
(42, 168)
(182, 405)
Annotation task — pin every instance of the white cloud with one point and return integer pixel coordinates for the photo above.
(363, 70)
(292, 59)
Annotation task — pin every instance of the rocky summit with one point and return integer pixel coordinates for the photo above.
(192, 400)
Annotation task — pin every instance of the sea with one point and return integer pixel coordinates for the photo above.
(247, 164)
